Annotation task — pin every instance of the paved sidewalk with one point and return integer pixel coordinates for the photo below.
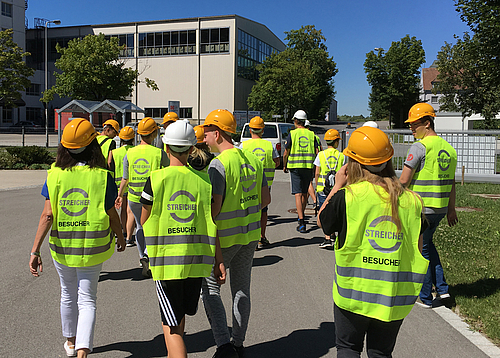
(12, 179)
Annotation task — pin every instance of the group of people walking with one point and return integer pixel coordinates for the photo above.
(200, 217)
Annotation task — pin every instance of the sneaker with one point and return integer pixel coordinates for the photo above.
(446, 300)
(70, 352)
(444, 296)
(226, 351)
(240, 350)
(326, 244)
(302, 228)
(146, 272)
(421, 304)
(263, 242)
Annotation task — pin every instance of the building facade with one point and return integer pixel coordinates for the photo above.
(199, 64)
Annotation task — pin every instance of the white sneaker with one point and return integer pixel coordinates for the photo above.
(70, 352)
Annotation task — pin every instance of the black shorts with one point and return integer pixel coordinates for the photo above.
(178, 298)
(300, 179)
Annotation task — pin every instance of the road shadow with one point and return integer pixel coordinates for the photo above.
(296, 242)
(137, 349)
(134, 274)
(307, 343)
(480, 288)
(266, 260)
(276, 220)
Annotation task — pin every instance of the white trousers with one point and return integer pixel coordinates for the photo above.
(78, 302)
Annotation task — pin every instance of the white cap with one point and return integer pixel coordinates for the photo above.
(180, 134)
(370, 124)
(301, 115)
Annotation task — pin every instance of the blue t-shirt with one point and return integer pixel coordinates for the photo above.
(111, 192)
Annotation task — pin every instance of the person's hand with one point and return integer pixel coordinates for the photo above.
(220, 273)
(452, 217)
(341, 177)
(285, 169)
(120, 244)
(118, 202)
(35, 263)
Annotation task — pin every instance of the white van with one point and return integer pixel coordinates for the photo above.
(275, 132)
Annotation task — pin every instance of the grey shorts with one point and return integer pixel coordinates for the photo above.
(300, 180)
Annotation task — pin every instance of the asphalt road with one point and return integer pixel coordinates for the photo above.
(292, 306)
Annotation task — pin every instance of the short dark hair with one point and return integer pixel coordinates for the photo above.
(430, 119)
(300, 122)
(92, 155)
(126, 142)
(332, 142)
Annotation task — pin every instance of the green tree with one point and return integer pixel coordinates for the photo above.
(469, 70)
(13, 70)
(300, 77)
(91, 70)
(395, 79)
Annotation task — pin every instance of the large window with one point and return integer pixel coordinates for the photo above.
(33, 90)
(186, 112)
(251, 52)
(155, 112)
(34, 114)
(127, 41)
(214, 40)
(6, 9)
(6, 115)
(167, 43)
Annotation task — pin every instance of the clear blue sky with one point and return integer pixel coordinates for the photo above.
(352, 28)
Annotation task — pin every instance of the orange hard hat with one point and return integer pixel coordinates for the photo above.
(256, 123)
(221, 118)
(78, 133)
(127, 133)
(369, 146)
(112, 123)
(420, 110)
(146, 126)
(332, 134)
(170, 117)
(200, 133)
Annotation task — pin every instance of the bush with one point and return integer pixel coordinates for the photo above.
(31, 155)
(19, 166)
(37, 166)
(7, 161)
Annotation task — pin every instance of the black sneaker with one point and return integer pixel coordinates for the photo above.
(130, 242)
(226, 351)
(326, 244)
(146, 272)
(302, 228)
(240, 350)
(264, 242)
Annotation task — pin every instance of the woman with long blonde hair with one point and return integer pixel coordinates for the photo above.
(379, 268)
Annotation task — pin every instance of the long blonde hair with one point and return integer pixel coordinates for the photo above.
(386, 179)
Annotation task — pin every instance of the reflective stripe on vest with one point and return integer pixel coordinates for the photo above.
(142, 160)
(302, 152)
(434, 182)
(80, 234)
(263, 149)
(379, 271)
(118, 155)
(180, 233)
(105, 142)
(238, 222)
(335, 160)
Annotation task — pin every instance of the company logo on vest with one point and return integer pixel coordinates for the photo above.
(80, 204)
(260, 153)
(303, 141)
(383, 235)
(137, 166)
(182, 207)
(246, 175)
(444, 160)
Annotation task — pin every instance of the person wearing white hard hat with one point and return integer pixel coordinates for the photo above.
(311, 192)
(301, 149)
(370, 124)
(180, 234)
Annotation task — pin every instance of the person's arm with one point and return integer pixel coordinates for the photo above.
(216, 205)
(45, 223)
(110, 158)
(406, 175)
(266, 197)
(285, 160)
(316, 175)
(219, 267)
(452, 214)
(146, 212)
(116, 226)
(119, 198)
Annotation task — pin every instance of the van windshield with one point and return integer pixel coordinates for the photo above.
(270, 131)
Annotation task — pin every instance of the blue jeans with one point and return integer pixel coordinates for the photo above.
(434, 273)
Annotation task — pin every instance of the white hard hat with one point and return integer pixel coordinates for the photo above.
(370, 124)
(301, 115)
(307, 123)
(180, 134)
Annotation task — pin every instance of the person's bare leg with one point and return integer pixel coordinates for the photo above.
(82, 353)
(124, 217)
(263, 224)
(130, 223)
(173, 340)
(299, 201)
(311, 193)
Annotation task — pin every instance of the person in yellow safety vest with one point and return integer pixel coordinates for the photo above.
(310, 191)
(266, 152)
(168, 119)
(111, 128)
(180, 235)
(79, 198)
(115, 164)
(201, 156)
(138, 164)
(327, 161)
(379, 268)
(429, 170)
(300, 150)
(239, 191)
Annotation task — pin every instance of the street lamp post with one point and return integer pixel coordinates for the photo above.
(55, 22)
